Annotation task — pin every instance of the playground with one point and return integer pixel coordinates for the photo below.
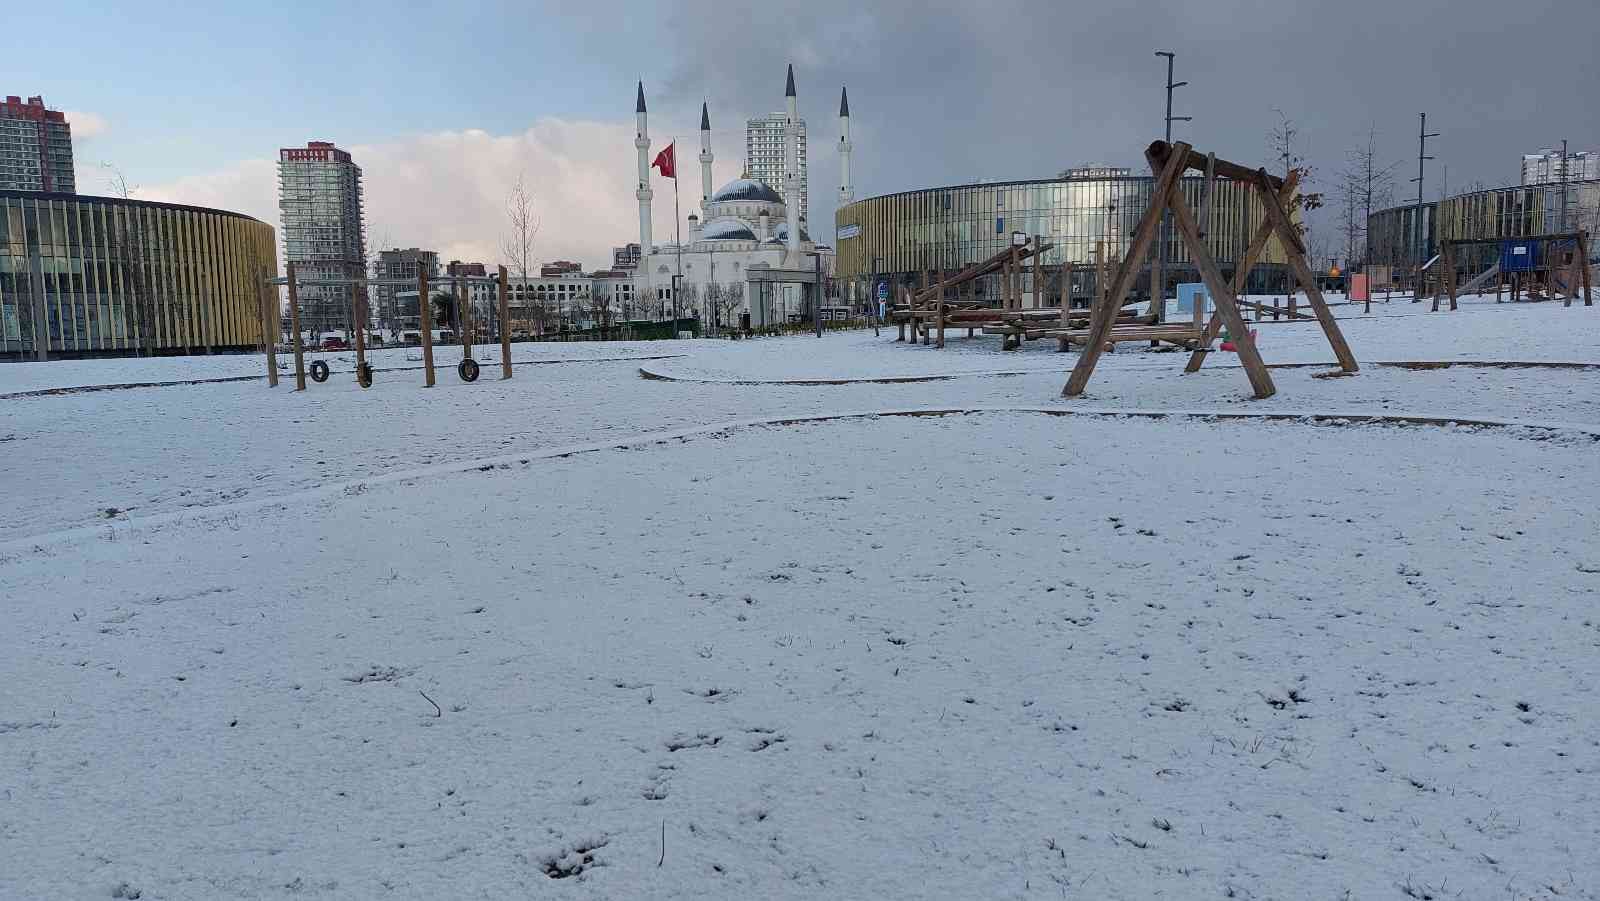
(750, 618)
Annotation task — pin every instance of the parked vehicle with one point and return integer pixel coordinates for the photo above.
(334, 343)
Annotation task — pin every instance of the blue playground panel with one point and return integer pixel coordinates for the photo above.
(1519, 256)
(1188, 292)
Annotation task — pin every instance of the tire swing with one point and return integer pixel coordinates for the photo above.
(468, 370)
(364, 375)
(319, 371)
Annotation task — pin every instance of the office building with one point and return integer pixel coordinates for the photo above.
(1547, 166)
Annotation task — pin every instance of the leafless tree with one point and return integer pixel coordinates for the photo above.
(1368, 182)
(522, 231)
(131, 262)
(733, 301)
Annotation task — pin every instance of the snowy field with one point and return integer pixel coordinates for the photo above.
(585, 634)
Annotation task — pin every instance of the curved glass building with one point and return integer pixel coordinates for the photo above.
(85, 276)
(1518, 211)
(900, 236)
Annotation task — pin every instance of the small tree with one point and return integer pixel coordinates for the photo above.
(522, 231)
(130, 261)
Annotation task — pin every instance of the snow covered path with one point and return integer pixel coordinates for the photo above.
(1000, 654)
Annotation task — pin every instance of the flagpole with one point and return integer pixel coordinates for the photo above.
(677, 225)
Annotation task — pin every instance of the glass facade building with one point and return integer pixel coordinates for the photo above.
(84, 276)
(1517, 211)
(319, 206)
(903, 235)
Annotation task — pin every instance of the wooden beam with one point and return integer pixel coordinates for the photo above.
(294, 323)
(505, 326)
(1197, 161)
(358, 310)
(1221, 292)
(1066, 299)
(1302, 271)
(1038, 275)
(1241, 274)
(425, 321)
(1105, 310)
(270, 329)
(1583, 260)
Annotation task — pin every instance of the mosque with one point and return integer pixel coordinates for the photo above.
(746, 251)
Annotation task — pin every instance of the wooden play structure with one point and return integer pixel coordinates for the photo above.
(1168, 162)
(942, 304)
(1563, 269)
(467, 369)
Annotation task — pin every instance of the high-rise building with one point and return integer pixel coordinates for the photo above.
(35, 147)
(405, 264)
(1547, 167)
(319, 201)
(763, 156)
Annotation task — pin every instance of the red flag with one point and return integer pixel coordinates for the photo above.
(667, 162)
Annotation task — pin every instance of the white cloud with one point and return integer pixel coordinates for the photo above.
(86, 125)
(446, 190)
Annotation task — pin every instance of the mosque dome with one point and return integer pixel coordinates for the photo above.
(746, 189)
(726, 228)
(780, 234)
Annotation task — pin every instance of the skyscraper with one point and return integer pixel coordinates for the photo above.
(763, 156)
(35, 147)
(319, 199)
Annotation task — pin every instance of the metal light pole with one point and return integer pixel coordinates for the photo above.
(816, 295)
(1422, 146)
(1158, 277)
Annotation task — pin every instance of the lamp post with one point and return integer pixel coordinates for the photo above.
(1158, 279)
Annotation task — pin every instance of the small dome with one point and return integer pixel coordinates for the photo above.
(746, 189)
(780, 235)
(726, 228)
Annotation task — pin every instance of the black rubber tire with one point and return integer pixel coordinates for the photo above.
(364, 375)
(319, 371)
(468, 370)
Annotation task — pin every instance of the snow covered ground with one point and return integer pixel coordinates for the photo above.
(1001, 654)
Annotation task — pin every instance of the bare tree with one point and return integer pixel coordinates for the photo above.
(1368, 182)
(522, 231)
(733, 300)
(132, 265)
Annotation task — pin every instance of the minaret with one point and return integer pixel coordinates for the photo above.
(641, 140)
(705, 159)
(791, 165)
(847, 191)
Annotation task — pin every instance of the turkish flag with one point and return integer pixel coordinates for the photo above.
(667, 162)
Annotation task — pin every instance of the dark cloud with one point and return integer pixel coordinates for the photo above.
(953, 93)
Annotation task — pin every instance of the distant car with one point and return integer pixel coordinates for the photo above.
(334, 344)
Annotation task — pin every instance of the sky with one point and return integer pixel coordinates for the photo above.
(444, 105)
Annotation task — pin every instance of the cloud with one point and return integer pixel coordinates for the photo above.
(86, 125)
(446, 190)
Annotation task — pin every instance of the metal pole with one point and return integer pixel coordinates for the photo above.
(816, 295)
(1565, 168)
(1158, 273)
(1422, 145)
(677, 230)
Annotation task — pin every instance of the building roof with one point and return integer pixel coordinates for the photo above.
(746, 189)
(705, 118)
(726, 228)
(844, 103)
(638, 107)
(15, 193)
(788, 90)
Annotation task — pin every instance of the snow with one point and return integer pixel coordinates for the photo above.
(986, 654)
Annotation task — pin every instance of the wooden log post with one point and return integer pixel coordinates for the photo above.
(463, 317)
(1066, 302)
(425, 321)
(1583, 263)
(1241, 275)
(1014, 279)
(1038, 273)
(505, 326)
(1105, 312)
(1295, 252)
(270, 329)
(358, 312)
(1450, 273)
(294, 323)
(943, 310)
